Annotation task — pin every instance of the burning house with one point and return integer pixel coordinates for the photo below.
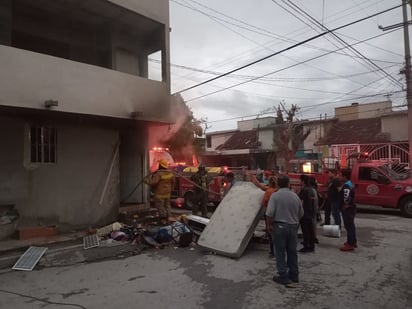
(82, 82)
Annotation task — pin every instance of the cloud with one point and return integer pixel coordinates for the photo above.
(201, 42)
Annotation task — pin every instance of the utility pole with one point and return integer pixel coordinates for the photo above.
(408, 75)
(407, 70)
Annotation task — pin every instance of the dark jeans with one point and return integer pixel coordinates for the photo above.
(328, 212)
(271, 250)
(307, 225)
(200, 200)
(335, 206)
(348, 215)
(285, 238)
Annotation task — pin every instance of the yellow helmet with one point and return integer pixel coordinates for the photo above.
(163, 163)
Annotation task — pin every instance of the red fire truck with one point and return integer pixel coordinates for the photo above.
(184, 187)
(377, 182)
(182, 194)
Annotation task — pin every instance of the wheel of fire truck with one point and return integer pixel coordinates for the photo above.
(188, 200)
(406, 206)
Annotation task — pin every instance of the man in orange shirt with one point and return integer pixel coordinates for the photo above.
(269, 190)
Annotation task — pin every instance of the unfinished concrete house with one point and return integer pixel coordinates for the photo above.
(78, 94)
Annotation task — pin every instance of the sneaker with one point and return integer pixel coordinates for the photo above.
(355, 245)
(281, 280)
(306, 250)
(347, 247)
(291, 285)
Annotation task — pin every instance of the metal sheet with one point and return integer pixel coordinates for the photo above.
(91, 241)
(30, 258)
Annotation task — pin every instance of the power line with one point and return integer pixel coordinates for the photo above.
(261, 29)
(284, 38)
(341, 40)
(278, 79)
(264, 75)
(289, 48)
(261, 114)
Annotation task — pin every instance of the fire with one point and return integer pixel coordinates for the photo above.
(160, 149)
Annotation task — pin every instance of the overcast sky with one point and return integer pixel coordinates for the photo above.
(210, 37)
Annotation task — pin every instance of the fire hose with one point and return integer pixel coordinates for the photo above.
(194, 184)
(174, 172)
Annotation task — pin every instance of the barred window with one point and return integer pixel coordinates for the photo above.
(43, 145)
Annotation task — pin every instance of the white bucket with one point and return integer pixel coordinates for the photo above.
(331, 230)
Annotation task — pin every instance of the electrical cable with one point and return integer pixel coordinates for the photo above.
(289, 48)
(264, 75)
(323, 27)
(261, 114)
(284, 38)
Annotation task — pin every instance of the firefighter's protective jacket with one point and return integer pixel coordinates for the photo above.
(162, 182)
(201, 182)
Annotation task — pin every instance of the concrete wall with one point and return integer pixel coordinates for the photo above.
(5, 22)
(219, 139)
(246, 125)
(362, 111)
(266, 139)
(396, 125)
(133, 163)
(79, 88)
(155, 9)
(68, 191)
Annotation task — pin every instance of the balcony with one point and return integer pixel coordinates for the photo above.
(30, 78)
(92, 57)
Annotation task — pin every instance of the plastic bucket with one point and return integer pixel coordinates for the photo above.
(331, 231)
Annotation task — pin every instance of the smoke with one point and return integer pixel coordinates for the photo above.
(160, 133)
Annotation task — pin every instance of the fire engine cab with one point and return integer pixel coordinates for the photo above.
(377, 182)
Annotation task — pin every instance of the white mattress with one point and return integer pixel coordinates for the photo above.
(234, 221)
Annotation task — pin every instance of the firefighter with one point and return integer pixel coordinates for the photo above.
(162, 183)
(200, 198)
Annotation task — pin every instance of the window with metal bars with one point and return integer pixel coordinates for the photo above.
(43, 145)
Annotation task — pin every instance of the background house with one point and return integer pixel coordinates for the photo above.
(250, 145)
(372, 127)
(78, 98)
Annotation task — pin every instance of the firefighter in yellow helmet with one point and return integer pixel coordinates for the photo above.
(201, 191)
(162, 182)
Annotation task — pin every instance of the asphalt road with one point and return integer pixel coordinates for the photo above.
(377, 275)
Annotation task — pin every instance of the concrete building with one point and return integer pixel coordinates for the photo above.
(251, 145)
(78, 96)
(372, 127)
(363, 111)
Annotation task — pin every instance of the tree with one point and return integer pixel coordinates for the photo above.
(288, 134)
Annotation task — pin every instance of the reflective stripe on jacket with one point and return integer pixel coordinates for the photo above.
(162, 183)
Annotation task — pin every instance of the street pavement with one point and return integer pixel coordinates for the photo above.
(377, 275)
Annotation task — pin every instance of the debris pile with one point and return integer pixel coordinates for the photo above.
(142, 227)
(8, 220)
